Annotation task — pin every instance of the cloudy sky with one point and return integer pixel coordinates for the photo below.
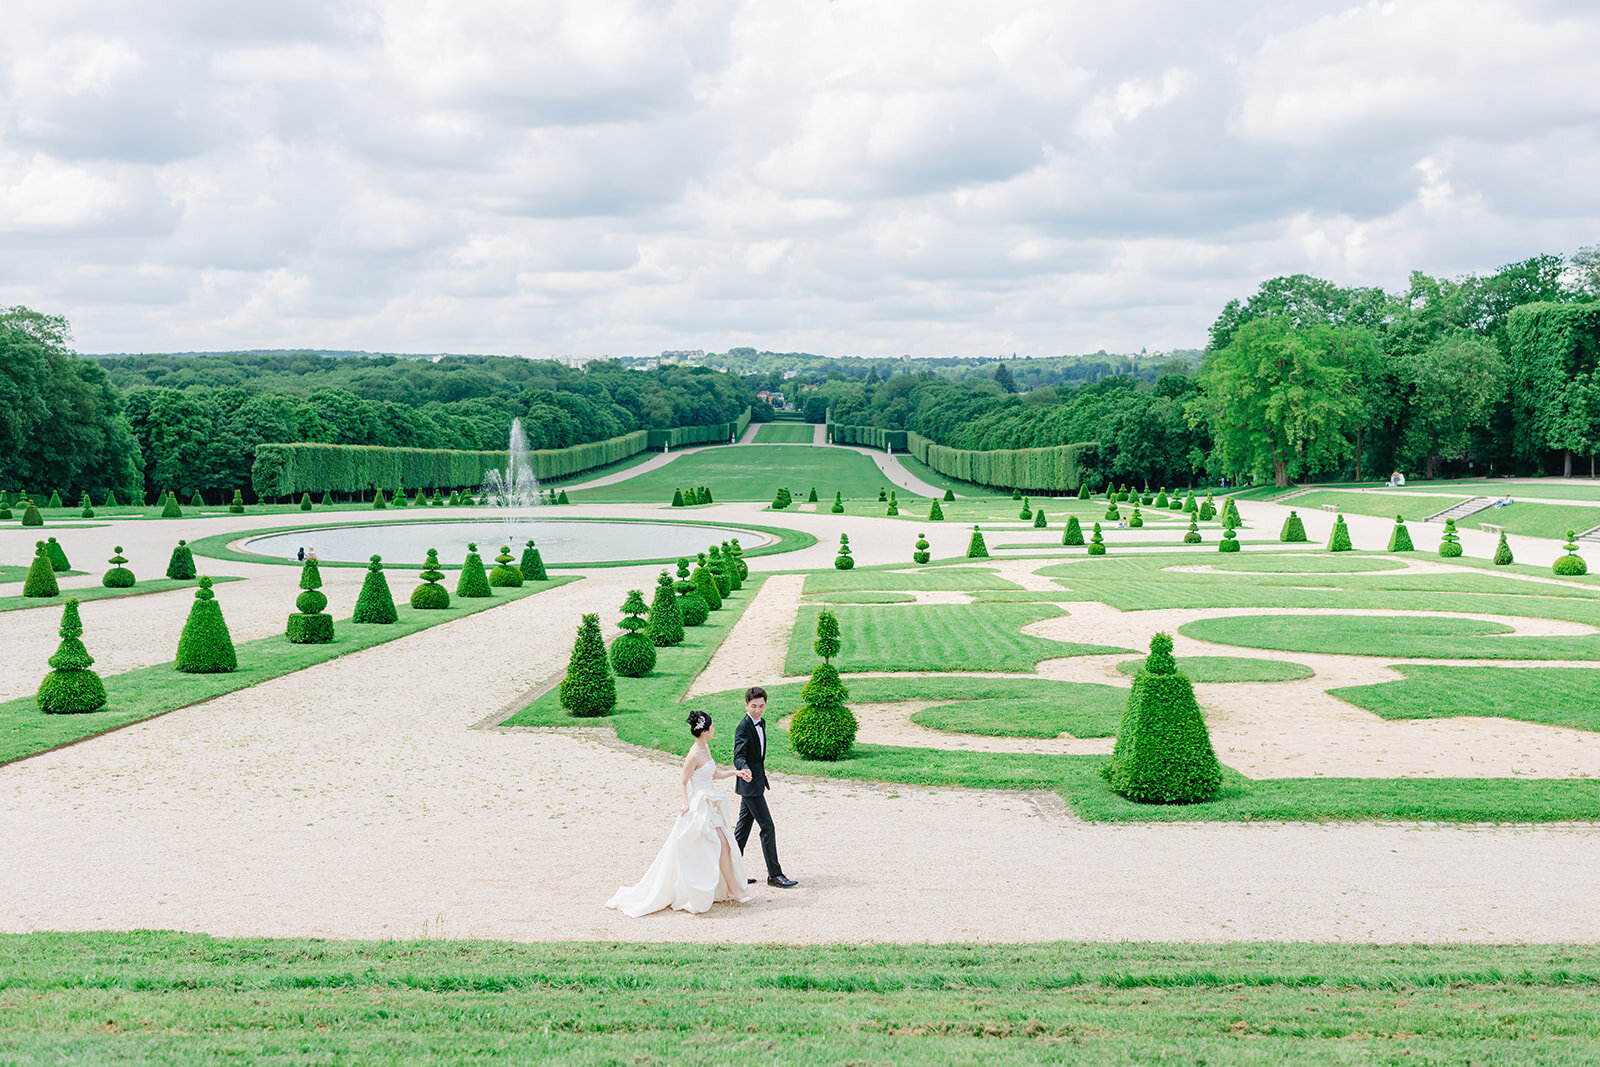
(864, 177)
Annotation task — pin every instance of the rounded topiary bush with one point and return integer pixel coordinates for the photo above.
(1073, 534)
(883, 495)
(780, 500)
(666, 617)
(473, 582)
(1502, 552)
(1113, 514)
(1135, 520)
(976, 548)
(118, 577)
(205, 646)
(921, 554)
(58, 556)
(430, 595)
(842, 560)
(1097, 542)
(1293, 529)
(375, 605)
(41, 579)
(1016, 494)
(398, 497)
(506, 574)
(533, 564)
(823, 728)
(1192, 535)
(1571, 564)
(1027, 511)
(1039, 520)
(690, 602)
(71, 687)
(838, 503)
(894, 505)
(31, 515)
(181, 565)
(1163, 753)
(87, 511)
(1400, 537)
(237, 504)
(1339, 539)
(1208, 510)
(588, 690)
(935, 512)
(1449, 541)
(1228, 542)
(5, 509)
(310, 625)
(633, 654)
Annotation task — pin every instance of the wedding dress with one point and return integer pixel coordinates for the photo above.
(686, 874)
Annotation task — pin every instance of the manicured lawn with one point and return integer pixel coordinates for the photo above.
(867, 598)
(1382, 502)
(754, 472)
(1408, 637)
(149, 691)
(1320, 563)
(934, 637)
(1559, 696)
(1538, 520)
(175, 998)
(1046, 709)
(785, 433)
(100, 592)
(943, 578)
(1209, 669)
(1531, 520)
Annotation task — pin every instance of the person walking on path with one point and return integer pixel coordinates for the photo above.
(750, 754)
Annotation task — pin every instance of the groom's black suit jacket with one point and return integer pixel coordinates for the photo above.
(747, 753)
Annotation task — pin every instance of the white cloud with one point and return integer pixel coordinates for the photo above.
(860, 176)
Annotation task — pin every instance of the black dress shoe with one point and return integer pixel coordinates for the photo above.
(781, 882)
(750, 881)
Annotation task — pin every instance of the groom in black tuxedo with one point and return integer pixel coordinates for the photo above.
(750, 753)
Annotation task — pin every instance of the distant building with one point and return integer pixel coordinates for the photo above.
(681, 354)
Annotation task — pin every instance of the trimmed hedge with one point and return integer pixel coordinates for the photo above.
(41, 579)
(1449, 541)
(310, 625)
(921, 553)
(87, 507)
(1339, 539)
(430, 595)
(867, 436)
(1040, 522)
(1228, 542)
(181, 565)
(719, 573)
(58, 556)
(1293, 529)
(1400, 537)
(588, 690)
(823, 728)
(171, 510)
(533, 564)
(838, 503)
(31, 515)
(713, 434)
(666, 617)
(842, 560)
(1135, 520)
(976, 547)
(375, 604)
(1163, 753)
(237, 505)
(1502, 552)
(118, 577)
(691, 603)
(1097, 542)
(1053, 469)
(506, 574)
(71, 687)
(706, 584)
(473, 582)
(379, 503)
(1192, 535)
(1571, 564)
(1073, 534)
(935, 512)
(633, 653)
(205, 646)
(305, 501)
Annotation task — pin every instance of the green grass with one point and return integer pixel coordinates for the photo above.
(174, 998)
(100, 592)
(868, 598)
(868, 578)
(1557, 696)
(1530, 520)
(149, 691)
(754, 472)
(1400, 637)
(1537, 520)
(1379, 503)
(1581, 489)
(934, 637)
(1043, 709)
(1318, 563)
(775, 433)
(1210, 669)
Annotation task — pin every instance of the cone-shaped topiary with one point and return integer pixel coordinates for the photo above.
(690, 602)
(1502, 552)
(1163, 753)
(921, 554)
(1083, 490)
(823, 728)
(455, 499)
(719, 573)
(778, 502)
(561, 498)
(310, 625)
(71, 687)
(1192, 537)
(375, 604)
(118, 577)
(111, 498)
(87, 511)
(327, 499)
(949, 496)
(1073, 534)
(935, 512)
(55, 500)
(196, 500)
(976, 548)
(1293, 529)
(1016, 494)
(666, 618)
(1449, 541)
(533, 564)
(398, 497)
(31, 515)
(430, 595)
(171, 510)
(1190, 506)
(1135, 520)
(506, 574)
(473, 582)
(842, 559)
(1228, 542)
(237, 505)
(58, 556)
(205, 646)
(707, 585)
(421, 500)
(1339, 539)
(1161, 498)
(1039, 520)
(633, 654)
(838, 503)
(181, 565)
(378, 501)
(41, 579)
(1568, 565)
(588, 689)
(1208, 510)
(1122, 491)
(1112, 513)
(305, 501)
(677, 498)
(1097, 542)
(812, 497)
(1400, 537)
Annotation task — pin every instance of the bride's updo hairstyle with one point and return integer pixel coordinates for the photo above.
(699, 722)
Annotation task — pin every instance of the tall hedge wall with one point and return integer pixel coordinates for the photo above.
(1060, 468)
(1551, 346)
(285, 470)
(867, 436)
(718, 433)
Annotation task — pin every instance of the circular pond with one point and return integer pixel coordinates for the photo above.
(559, 540)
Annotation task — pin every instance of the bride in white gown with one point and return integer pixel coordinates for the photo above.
(697, 865)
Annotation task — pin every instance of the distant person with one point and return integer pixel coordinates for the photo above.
(1504, 502)
(311, 553)
(301, 556)
(1396, 479)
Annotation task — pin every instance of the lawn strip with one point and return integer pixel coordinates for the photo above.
(1556, 696)
(100, 592)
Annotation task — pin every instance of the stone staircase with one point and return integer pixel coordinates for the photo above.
(1591, 534)
(1290, 496)
(1462, 510)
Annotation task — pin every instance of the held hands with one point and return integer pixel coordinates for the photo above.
(743, 775)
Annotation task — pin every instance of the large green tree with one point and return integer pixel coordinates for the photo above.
(1453, 383)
